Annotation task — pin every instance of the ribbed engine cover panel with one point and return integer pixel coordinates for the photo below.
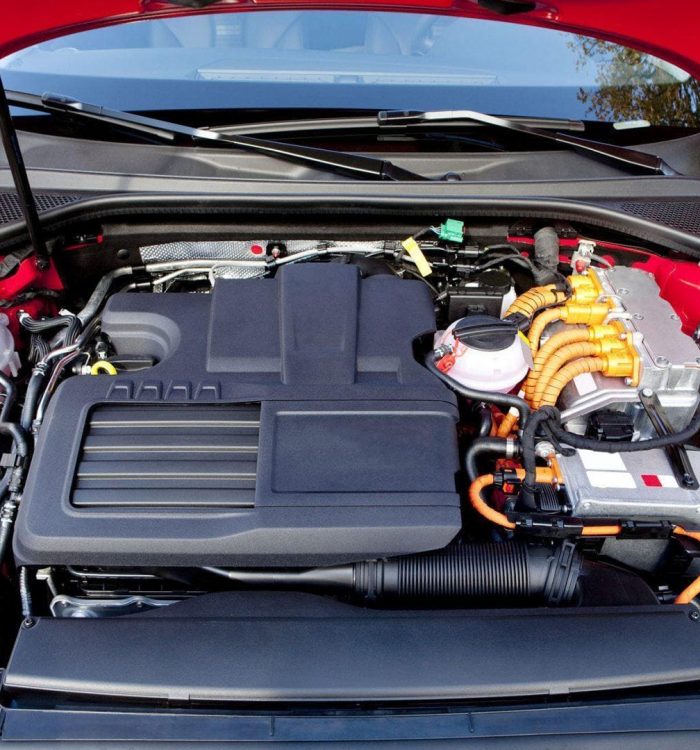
(168, 456)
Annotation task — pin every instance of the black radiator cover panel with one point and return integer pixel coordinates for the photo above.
(287, 422)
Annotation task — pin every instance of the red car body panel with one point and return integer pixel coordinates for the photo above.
(665, 29)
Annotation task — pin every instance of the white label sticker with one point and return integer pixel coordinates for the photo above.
(667, 480)
(621, 480)
(585, 383)
(602, 461)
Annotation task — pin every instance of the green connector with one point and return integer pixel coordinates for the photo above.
(452, 230)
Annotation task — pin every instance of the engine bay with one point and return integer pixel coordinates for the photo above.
(439, 420)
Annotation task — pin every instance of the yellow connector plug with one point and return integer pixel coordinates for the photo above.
(606, 330)
(573, 313)
(584, 291)
(589, 315)
(622, 364)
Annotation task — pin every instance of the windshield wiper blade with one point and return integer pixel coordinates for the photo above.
(368, 123)
(152, 128)
(637, 161)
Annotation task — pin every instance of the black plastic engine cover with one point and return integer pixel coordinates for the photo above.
(286, 422)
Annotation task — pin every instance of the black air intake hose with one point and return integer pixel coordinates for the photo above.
(503, 572)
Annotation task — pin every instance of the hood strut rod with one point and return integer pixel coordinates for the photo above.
(21, 180)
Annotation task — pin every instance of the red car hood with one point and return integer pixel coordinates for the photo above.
(666, 29)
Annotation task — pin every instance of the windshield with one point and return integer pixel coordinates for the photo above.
(355, 60)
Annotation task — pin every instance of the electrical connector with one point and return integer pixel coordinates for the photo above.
(507, 480)
(585, 314)
(582, 256)
(550, 526)
(623, 364)
(451, 230)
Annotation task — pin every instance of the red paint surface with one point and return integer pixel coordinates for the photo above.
(679, 282)
(26, 278)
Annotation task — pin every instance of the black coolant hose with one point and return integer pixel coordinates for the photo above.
(479, 572)
(503, 447)
(528, 442)
(10, 392)
(504, 400)
(485, 420)
(11, 481)
(32, 394)
(18, 436)
(99, 294)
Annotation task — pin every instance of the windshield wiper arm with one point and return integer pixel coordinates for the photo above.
(637, 161)
(152, 128)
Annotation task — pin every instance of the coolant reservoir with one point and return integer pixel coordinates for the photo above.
(483, 352)
(9, 359)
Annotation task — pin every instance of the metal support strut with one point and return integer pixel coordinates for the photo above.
(21, 180)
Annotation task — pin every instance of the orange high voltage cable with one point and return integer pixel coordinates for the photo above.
(567, 373)
(540, 323)
(563, 338)
(535, 299)
(556, 361)
(500, 519)
(589, 314)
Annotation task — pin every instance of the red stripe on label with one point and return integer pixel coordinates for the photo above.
(651, 480)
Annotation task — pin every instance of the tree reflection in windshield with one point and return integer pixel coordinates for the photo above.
(632, 85)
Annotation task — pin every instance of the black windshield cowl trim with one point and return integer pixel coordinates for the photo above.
(630, 159)
(353, 165)
(471, 658)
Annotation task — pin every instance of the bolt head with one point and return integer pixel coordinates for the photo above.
(544, 449)
(661, 361)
